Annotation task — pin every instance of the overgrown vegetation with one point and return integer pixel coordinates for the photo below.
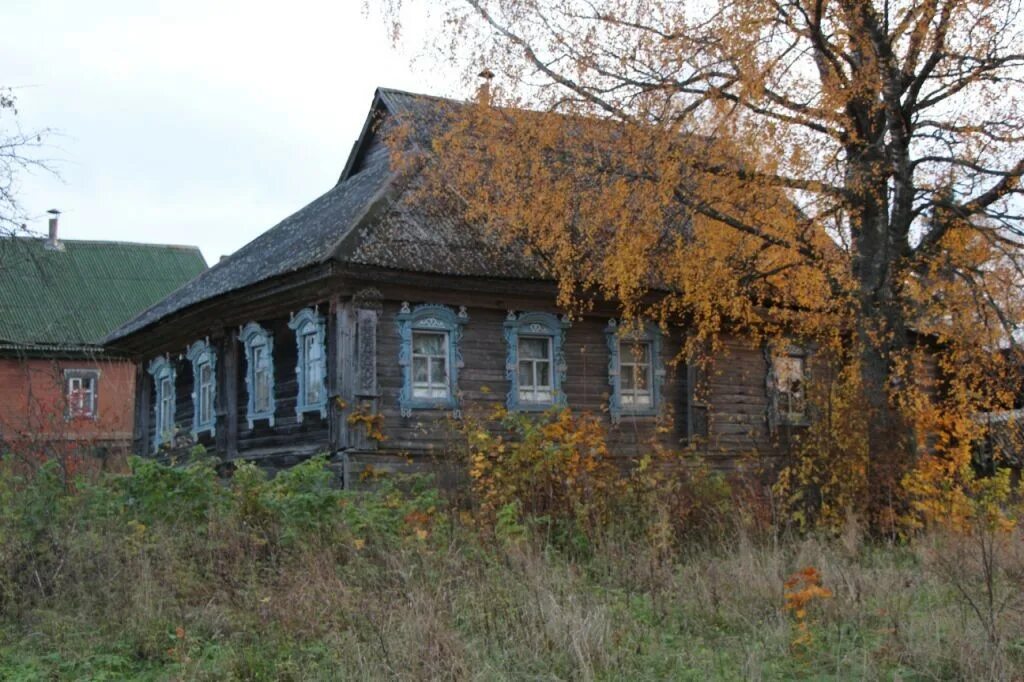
(552, 565)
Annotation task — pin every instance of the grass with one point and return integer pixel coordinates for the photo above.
(168, 575)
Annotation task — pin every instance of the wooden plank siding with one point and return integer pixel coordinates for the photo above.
(734, 388)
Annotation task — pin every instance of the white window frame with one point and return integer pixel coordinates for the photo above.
(258, 343)
(164, 400)
(530, 394)
(628, 363)
(432, 390)
(204, 396)
(73, 376)
(310, 370)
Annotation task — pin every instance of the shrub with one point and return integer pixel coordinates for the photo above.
(553, 468)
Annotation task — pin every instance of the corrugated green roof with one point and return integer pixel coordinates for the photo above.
(73, 298)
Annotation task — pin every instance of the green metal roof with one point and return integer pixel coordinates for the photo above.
(71, 299)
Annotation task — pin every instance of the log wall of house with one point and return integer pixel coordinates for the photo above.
(728, 412)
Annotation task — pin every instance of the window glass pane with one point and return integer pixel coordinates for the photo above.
(533, 348)
(638, 353)
(419, 370)
(262, 401)
(427, 343)
(438, 371)
(543, 370)
(525, 374)
(626, 377)
(640, 377)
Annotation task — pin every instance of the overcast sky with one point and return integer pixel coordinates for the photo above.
(194, 122)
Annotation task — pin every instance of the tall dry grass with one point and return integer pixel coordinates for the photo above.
(174, 575)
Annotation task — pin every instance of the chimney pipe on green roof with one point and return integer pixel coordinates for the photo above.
(53, 243)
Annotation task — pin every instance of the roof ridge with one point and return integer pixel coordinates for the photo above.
(420, 95)
(108, 242)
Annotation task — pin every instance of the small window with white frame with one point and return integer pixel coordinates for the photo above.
(635, 369)
(204, 390)
(311, 365)
(535, 370)
(635, 374)
(259, 376)
(535, 360)
(430, 365)
(430, 356)
(80, 391)
(788, 375)
(164, 402)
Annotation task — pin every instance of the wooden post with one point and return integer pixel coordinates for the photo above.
(220, 403)
(367, 312)
(143, 398)
(333, 343)
(231, 393)
(341, 376)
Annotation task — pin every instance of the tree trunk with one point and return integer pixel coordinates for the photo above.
(881, 332)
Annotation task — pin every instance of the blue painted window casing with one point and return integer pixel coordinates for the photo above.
(535, 360)
(204, 387)
(163, 375)
(259, 374)
(311, 368)
(636, 370)
(430, 355)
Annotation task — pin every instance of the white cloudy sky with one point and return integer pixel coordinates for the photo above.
(194, 122)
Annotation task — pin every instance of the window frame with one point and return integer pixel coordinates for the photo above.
(93, 375)
(535, 325)
(161, 369)
(202, 354)
(617, 336)
(773, 353)
(430, 317)
(254, 337)
(428, 357)
(306, 323)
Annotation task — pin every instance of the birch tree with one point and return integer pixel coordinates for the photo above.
(846, 171)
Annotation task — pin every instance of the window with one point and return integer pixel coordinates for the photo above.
(535, 362)
(635, 369)
(787, 384)
(635, 374)
(259, 375)
(535, 381)
(311, 367)
(80, 387)
(430, 365)
(430, 356)
(204, 387)
(163, 375)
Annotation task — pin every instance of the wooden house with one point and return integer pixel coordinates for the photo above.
(61, 391)
(367, 303)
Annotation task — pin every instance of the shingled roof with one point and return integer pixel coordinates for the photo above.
(362, 220)
(70, 299)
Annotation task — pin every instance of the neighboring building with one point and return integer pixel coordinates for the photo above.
(366, 302)
(60, 389)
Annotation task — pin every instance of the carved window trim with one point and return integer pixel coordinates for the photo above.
(308, 322)
(616, 335)
(201, 354)
(535, 324)
(164, 394)
(432, 318)
(254, 337)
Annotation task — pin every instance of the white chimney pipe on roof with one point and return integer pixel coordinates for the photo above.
(53, 243)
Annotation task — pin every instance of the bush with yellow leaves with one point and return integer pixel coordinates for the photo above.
(552, 467)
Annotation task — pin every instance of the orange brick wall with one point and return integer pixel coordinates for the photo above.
(32, 402)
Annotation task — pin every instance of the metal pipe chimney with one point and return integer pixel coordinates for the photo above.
(53, 243)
